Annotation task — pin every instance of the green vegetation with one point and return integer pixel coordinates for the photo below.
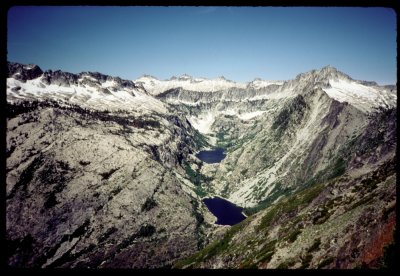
(199, 221)
(195, 176)
(215, 248)
(262, 256)
(329, 173)
(290, 204)
(200, 140)
(224, 142)
(240, 142)
(337, 169)
(276, 192)
(266, 161)
(266, 253)
(200, 191)
(220, 136)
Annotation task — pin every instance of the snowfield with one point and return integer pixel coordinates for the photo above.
(87, 95)
(361, 96)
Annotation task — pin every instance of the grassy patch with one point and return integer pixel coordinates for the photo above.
(215, 248)
(199, 221)
(290, 204)
(200, 140)
(276, 192)
(266, 252)
(223, 141)
(195, 176)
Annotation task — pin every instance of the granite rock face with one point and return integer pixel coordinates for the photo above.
(101, 172)
(90, 187)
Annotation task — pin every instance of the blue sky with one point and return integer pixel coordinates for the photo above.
(240, 43)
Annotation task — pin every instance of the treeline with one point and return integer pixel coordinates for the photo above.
(15, 109)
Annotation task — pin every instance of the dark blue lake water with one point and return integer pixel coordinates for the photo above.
(211, 156)
(226, 212)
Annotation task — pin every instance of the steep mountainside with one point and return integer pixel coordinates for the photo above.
(281, 138)
(318, 152)
(347, 221)
(101, 172)
(95, 175)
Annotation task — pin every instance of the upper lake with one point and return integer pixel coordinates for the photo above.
(211, 156)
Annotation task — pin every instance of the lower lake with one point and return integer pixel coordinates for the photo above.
(226, 212)
(211, 156)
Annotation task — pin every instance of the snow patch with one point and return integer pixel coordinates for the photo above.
(258, 83)
(108, 83)
(155, 86)
(363, 97)
(250, 115)
(203, 122)
(125, 99)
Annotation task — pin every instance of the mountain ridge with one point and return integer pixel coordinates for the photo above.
(102, 172)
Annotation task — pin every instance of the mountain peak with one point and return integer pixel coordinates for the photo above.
(147, 76)
(23, 71)
(185, 77)
(330, 72)
(323, 75)
(329, 67)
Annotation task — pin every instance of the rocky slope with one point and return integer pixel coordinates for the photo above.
(312, 158)
(93, 180)
(101, 171)
(347, 221)
(282, 137)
